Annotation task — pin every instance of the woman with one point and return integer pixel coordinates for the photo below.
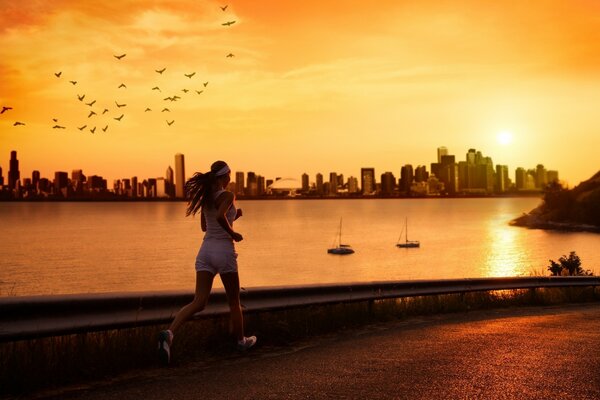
(207, 193)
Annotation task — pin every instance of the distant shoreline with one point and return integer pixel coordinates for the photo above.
(270, 198)
(531, 221)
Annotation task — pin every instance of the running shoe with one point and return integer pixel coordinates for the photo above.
(165, 338)
(246, 343)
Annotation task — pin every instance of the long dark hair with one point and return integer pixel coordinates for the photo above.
(198, 189)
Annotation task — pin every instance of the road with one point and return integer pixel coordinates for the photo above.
(517, 353)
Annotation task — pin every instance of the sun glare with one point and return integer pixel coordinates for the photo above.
(505, 138)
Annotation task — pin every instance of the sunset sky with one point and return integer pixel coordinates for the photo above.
(312, 86)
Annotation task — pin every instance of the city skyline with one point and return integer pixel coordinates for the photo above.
(123, 85)
(476, 174)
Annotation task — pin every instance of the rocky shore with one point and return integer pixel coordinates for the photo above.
(577, 209)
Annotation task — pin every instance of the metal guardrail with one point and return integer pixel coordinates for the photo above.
(43, 316)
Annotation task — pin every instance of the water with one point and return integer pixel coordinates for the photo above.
(58, 248)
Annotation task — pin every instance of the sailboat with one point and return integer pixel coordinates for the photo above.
(340, 249)
(407, 243)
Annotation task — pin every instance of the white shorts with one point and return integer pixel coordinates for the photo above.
(217, 257)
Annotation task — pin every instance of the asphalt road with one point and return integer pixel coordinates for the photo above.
(517, 353)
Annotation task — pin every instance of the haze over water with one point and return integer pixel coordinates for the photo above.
(58, 248)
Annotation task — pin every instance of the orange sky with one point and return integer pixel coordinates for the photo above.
(314, 86)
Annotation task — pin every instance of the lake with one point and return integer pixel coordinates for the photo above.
(91, 247)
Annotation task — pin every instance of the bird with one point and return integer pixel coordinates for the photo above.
(18, 123)
(93, 130)
(4, 108)
(168, 98)
(120, 105)
(165, 109)
(58, 74)
(156, 88)
(185, 90)
(73, 82)
(122, 85)
(58, 127)
(105, 128)
(175, 98)
(205, 84)
(81, 97)
(190, 75)
(170, 123)
(228, 23)
(105, 111)
(160, 71)
(119, 57)
(54, 119)
(90, 103)
(119, 118)
(92, 113)
(230, 55)
(82, 127)
(147, 109)
(199, 91)
(224, 7)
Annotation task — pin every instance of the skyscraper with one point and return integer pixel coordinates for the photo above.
(367, 181)
(441, 151)
(1, 178)
(319, 183)
(305, 184)
(179, 176)
(13, 172)
(333, 183)
(239, 183)
(169, 182)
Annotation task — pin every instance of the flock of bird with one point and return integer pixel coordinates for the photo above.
(91, 126)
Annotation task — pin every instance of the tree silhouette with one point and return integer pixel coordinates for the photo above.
(570, 266)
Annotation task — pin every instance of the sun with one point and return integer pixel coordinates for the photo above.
(504, 138)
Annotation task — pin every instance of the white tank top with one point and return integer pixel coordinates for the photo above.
(213, 229)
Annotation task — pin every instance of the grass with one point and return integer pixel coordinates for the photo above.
(31, 365)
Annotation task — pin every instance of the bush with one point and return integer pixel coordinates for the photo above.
(570, 266)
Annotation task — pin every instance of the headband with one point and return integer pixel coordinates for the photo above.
(223, 171)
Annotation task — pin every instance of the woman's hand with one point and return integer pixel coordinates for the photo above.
(237, 237)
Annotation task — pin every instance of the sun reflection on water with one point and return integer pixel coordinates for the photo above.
(507, 250)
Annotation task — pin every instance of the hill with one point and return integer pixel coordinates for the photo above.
(577, 209)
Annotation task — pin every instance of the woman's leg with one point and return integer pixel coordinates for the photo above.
(204, 281)
(231, 282)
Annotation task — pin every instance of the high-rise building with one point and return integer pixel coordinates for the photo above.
(421, 174)
(170, 182)
(239, 183)
(179, 176)
(520, 178)
(352, 185)
(251, 184)
(441, 151)
(135, 187)
(35, 177)
(162, 187)
(388, 183)
(406, 178)
(61, 182)
(260, 185)
(541, 178)
(319, 184)
(305, 183)
(367, 181)
(333, 183)
(449, 174)
(1, 178)
(502, 181)
(13, 172)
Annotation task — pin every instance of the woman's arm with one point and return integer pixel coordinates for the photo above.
(223, 202)
(202, 221)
